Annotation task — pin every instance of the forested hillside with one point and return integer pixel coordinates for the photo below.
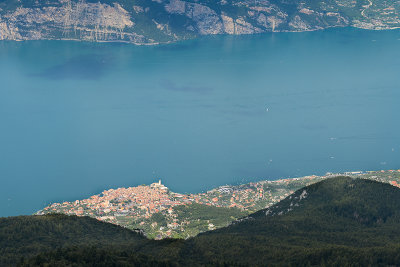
(339, 221)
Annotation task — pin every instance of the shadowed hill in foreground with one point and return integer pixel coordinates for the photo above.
(339, 221)
(25, 236)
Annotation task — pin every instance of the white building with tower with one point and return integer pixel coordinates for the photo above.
(158, 185)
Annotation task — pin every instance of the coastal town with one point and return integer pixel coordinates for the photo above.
(158, 213)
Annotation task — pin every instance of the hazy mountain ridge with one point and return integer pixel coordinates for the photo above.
(163, 21)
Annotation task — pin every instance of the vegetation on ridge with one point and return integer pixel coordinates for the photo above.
(339, 221)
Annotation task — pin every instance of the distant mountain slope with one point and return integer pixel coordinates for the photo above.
(336, 222)
(162, 21)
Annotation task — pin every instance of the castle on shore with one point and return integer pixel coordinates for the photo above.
(159, 186)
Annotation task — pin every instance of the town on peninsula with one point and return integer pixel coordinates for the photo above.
(159, 213)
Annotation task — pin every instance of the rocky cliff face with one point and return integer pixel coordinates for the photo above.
(161, 21)
(68, 20)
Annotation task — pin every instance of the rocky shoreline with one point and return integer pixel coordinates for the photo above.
(165, 21)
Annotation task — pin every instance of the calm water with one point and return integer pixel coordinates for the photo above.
(77, 118)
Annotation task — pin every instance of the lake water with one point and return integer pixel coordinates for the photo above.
(77, 118)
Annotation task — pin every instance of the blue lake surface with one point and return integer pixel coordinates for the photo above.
(78, 118)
